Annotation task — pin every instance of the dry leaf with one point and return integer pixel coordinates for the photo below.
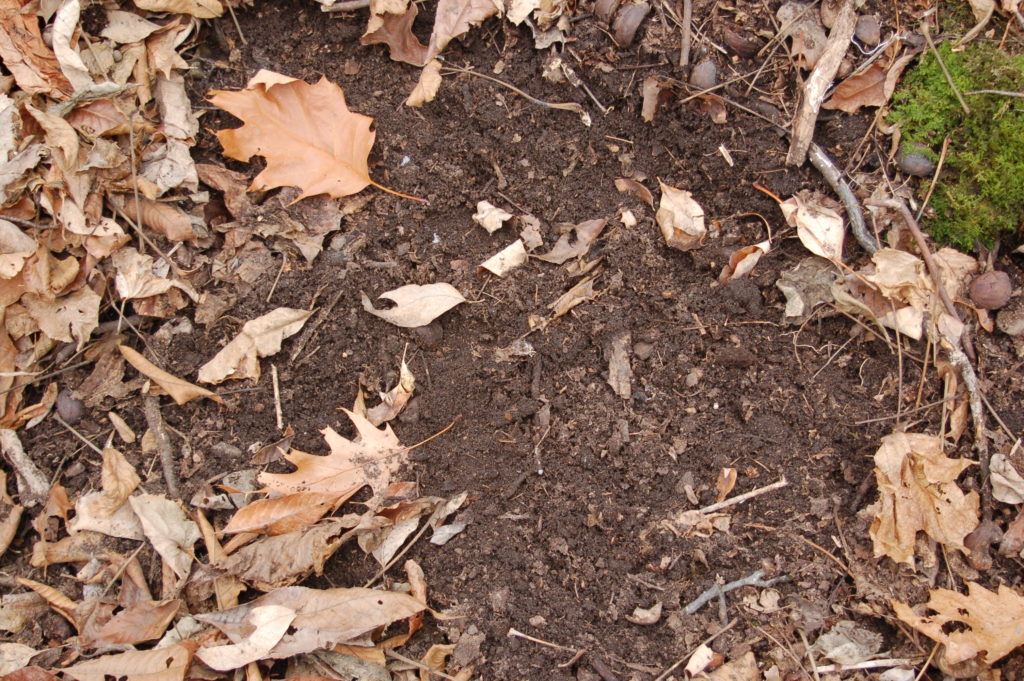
(180, 390)
(742, 669)
(416, 305)
(646, 616)
(145, 621)
(871, 87)
(281, 515)
(159, 664)
(1007, 483)
(168, 529)
(802, 23)
(393, 27)
(620, 374)
(286, 559)
(394, 401)
(585, 233)
(700, 660)
(580, 293)
(743, 261)
(490, 217)
(983, 622)
(819, 227)
(680, 218)
(268, 623)
(455, 17)
(635, 189)
(725, 483)
(70, 319)
(427, 86)
(259, 337)
(324, 617)
(918, 493)
(507, 259)
(435, 659)
(201, 9)
(371, 459)
(307, 134)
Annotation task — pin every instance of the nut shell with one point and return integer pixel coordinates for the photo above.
(991, 290)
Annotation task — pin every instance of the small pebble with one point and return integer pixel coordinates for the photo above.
(643, 350)
(704, 75)
(429, 336)
(225, 450)
(991, 290)
(69, 407)
(868, 30)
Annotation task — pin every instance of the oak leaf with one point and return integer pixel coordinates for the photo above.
(308, 135)
(918, 493)
(982, 622)
(371, 459)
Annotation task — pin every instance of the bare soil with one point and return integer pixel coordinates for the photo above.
(569, 484)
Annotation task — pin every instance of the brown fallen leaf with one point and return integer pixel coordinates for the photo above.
(427, 86)
(168, 529)
(395, 30)
(743, 261)
(918, 493)
(259, 337)
(981, 623)
(158, 664)
(805, 28)
(286, 559)
(137, 623)
(635, 189)
(819, 227)
(371, 459)
(323, 617)
(578, 294)
(680, 218)
(416, 305)
(281, 515)
(871, 87)
(585, 233)
(180, 390)
(455, 17)
(307, 134)
(393, 401)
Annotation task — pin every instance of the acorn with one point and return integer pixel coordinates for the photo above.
(990, 291)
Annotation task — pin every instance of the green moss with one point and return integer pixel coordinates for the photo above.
(981, 192)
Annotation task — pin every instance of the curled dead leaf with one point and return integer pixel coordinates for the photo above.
(180, 390)
(415, 304)
(680, 218)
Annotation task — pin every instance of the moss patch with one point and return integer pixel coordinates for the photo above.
(981, 192)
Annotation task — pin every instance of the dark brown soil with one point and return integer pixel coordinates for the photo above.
(570, 485)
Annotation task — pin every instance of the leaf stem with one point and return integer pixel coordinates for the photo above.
(399, 194)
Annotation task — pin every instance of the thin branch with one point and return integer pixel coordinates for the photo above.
(744, 497)
(945, 71)
(684, 47)
(754, 579)
(155, 421)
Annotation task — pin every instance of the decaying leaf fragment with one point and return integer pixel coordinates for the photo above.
(870, 87)
(680, 218)
(918, 493)
(259, 337)
(566, 248)
(819, 227)
(268, 623)
(371, 459)
(984, 623)
(507, 259)
(490, 217)
(307, 134)
(179, 389)
(416, 305)
(394, 401)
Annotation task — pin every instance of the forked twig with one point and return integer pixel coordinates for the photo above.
(564, 106)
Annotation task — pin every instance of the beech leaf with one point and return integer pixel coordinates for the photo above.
(416, 305)
(281, 515)
(585, 232)
(306, 132)
(158, 664)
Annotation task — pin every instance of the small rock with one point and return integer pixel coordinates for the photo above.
(868, 30)
(1011, 318)
(429, 336)
(704, 75)
(226, 450)
(627, 21)
(643, 350)
(69, 407)
(693, 378)
(744, 46)
(912, 161)
(991, 290)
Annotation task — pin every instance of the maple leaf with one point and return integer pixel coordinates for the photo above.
(371, 459)
(307, 134)
(983, 622)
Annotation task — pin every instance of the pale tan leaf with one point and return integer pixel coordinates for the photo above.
(416, 305)
(918, 493)
(680, 218)
(70, 319)
(286, 559)
(585, 233)
(201, 9)
(127, 27)
(620, 373)
(427, 86)
(507, 259)
(490, 217)
(17, 611)
(9, 524)
(819, 227)
(743, 261)
(93, 515)
(324, 617)
(435, 658)
(455, 17)
(139, 622)
(268, 623)
(578, 294)
(65, 24)
(159, 664)
(57, 600)
(281, 515)
(981, 623)
(180, 390)
(167, 219)
(168, 529)
(118, 479)
(307, 134)
(804, 27)
(260, 337)
(743, 668)
(14, 664)
(393, 401)
(371, 459)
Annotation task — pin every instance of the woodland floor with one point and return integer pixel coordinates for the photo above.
(568, 483)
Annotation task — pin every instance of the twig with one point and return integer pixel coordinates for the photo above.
(945, 71)
(238, 27)
(828, 169)
(564, 106)
(684, 47)
(754, 579)
(905, 413)
(33, 487)
(709, 639)
(1004, 93)
(81, 437)
(311, 327)
(277, 397)
(515, 633)
(867, 664)
(745, 497)
(961, 362)
(935, 177)
(810, 654)
(347, 6)
(280, 271)
(915, 229)
(418, 665)
(817, 84)
(155, 421)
